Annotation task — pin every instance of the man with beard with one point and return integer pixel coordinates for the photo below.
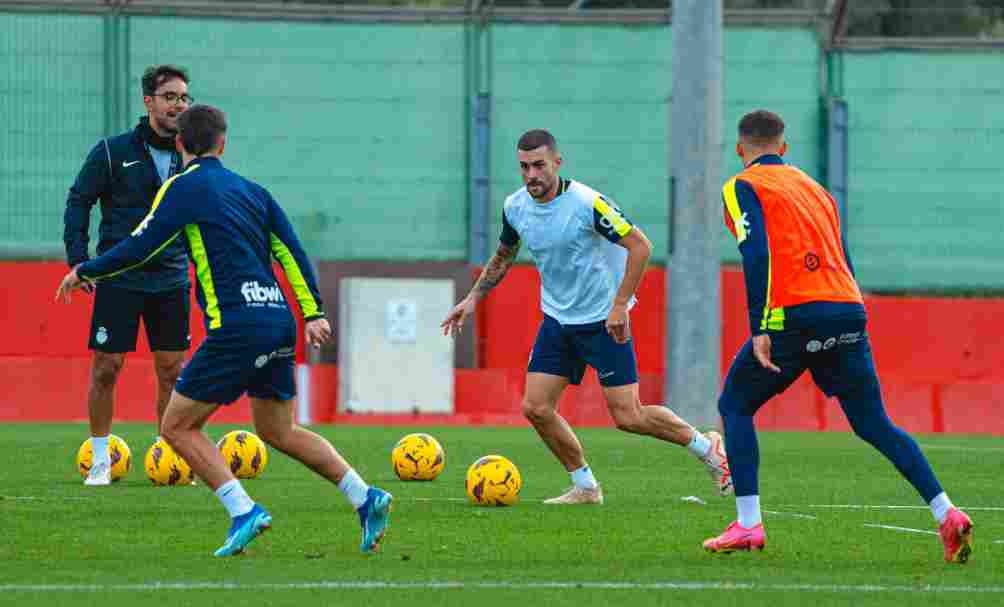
(591, 259)
(124, 173)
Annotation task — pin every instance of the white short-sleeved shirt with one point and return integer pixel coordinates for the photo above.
(571, 239)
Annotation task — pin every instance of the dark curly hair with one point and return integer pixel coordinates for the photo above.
(156, 75)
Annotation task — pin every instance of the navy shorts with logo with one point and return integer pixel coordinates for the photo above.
(837, 353)
(259, 360)
(117, 312)
(565, 350)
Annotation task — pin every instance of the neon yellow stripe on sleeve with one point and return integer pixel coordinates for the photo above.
(142, 226)
(732, 206)
(773, 319)
(617, 221)
(296, 280)
(135, 265)
(204, 274)
(159, 197)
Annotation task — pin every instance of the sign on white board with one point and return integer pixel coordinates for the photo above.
(402, 321)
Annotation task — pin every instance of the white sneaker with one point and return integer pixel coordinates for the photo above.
(717, 464)
(99, 474)
(578, 495)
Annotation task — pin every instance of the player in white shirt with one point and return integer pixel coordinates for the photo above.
(591, 260)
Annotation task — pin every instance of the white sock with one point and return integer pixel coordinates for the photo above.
(940, 506)
(235, 499)
(99, 444)
(748, 507)
(583, 477)
(699, 445)
(354, 488)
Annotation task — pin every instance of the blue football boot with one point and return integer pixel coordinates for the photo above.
(244, 529)
(373, 515)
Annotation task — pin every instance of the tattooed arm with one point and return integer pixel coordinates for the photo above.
(493, 274)
(495, 271)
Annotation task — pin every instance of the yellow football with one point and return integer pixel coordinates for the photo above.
(418, 457)
(119, 452)
(244, 452)
(493, 481)
(165, 467)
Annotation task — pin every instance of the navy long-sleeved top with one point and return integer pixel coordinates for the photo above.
(231, 227)
(796, 265)
(121, 174)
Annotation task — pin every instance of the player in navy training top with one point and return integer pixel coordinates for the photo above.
(232, 227)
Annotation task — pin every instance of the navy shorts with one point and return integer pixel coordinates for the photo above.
(259, 360)
(837, 354)
(565, 350)
(117, 312)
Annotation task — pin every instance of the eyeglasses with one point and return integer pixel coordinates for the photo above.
(175, 98)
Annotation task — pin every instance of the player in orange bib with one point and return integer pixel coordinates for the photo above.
(805, 313)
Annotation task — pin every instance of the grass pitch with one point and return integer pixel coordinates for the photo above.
(135, 544)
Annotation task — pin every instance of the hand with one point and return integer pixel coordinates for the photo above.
(618, 325)
(70, 283)
(761, 350)
(318, 332)
(454, 322)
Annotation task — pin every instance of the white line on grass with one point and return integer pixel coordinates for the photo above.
(780, 513)
(585, 585)
(26, 498)
(959, 448)
(793, 514)
(895, 528)
(887, 507)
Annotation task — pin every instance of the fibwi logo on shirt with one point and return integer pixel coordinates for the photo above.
(256, 294)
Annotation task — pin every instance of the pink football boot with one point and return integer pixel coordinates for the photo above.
(957, 535)
(737, 537)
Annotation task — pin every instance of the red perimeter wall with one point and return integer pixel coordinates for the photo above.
(939, 360)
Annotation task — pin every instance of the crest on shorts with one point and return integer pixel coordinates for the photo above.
(101, 336)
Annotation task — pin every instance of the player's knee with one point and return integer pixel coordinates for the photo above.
(105, 371)
(536, 411)
(274, 437)
(171, 429)
(729, 404)
(627, 420)
(626, 410)
(168, 372)
(867, 417)
(872, 431)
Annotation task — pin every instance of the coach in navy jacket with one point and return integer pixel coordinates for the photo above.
(124, 173)
(120, 171)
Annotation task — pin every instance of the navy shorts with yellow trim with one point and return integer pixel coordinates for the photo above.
(259, 360)
(565, 350)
